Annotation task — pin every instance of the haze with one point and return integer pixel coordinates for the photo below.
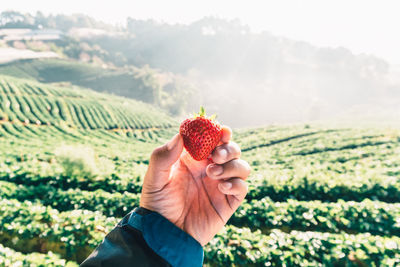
(252, 64)
(362, 26)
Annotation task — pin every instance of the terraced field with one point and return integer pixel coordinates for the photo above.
(133, 83)
(319, 196)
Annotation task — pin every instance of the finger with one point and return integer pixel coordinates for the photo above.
(235, 187)
(225, 153)
(226, 134)
(233, 168)
(162, 159)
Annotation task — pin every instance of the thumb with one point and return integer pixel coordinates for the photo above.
(161, 161)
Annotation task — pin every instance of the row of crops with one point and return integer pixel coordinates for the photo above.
(273, 225)
(326, 190)
(368, 216)
(30, 103)
(27, 226)
(25, 132)
(318, 196)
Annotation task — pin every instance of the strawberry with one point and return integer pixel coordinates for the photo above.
(200, 135)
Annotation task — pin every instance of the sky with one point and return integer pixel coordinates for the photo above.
(363, 26)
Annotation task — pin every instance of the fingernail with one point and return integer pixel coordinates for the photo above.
(223, 153)
(226, 185)
(172, 143)
(216, 169)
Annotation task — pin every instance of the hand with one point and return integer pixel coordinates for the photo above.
(197, 196)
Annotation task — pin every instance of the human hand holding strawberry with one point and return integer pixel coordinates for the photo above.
(198, 196)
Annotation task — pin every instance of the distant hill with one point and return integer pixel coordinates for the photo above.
(132, 83)
(246, 78)
(10, 54)
(255, 78)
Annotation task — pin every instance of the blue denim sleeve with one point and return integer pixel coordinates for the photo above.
(167, 240)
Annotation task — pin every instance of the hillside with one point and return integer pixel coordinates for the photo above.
(73, 157)
(31, 110)
(285, 80)
(30, 102)
(134, 83)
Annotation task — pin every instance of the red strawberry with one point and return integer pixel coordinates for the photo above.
(200, 135)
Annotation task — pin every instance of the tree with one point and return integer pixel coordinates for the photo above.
(14, 19)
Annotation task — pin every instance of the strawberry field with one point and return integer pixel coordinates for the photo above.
(72, 163)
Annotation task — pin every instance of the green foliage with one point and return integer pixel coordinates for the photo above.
(377, 218)
(80, 162)
(109, 204)
(43, 174)
(26, 226)
(10, 257)
(242, 247)
(318, 196)
(322, 164)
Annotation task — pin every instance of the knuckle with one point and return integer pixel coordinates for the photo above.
(219, 156)
(244, 167)
(157, 152)
(243, 188)
(247, 168)
(246, 188)
(245, 185)
(234, 149)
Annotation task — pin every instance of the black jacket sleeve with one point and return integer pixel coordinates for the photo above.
(124, 246)
(145, 238)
